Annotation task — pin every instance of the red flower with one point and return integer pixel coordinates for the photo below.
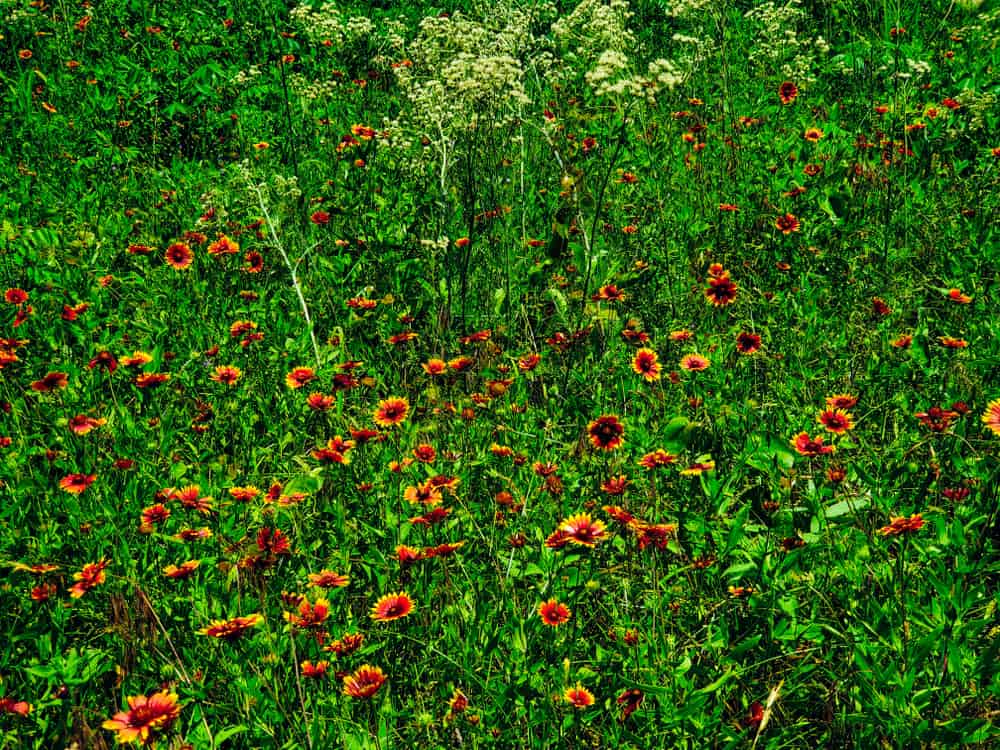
(606, 432)
(298, 377)
(554, 613)
(645, 363)
(391, 411)
(747, 343)
(364, 682)
(15, 296)
(51, 382)
(179, 256)
(787, 92)
(837, 421)
(787, 223)
(146, 717)
(90, 576)
(579, 696)
(630, 700)
(903, 525)
(807, 446)
(76, 484)
(581, 529)
(721, 291)
(392, 607)
(230, 630)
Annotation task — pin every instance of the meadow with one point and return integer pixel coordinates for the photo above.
(509, 374)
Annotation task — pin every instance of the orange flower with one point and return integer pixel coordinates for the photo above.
(392, 607)
(579, 696)
(695, 363)
(146, 716)
(226, 374)
(787, 92)
(327, 579)
(76, 484)
(314, 671)
(747, 343)
(435, 367)
(950, 343)
(657, 458)
(581, 529)
(991, 417)
(807, 446)
(184, 570)
(721, 291)
(223, 246)
(51, 382)
(299, 376)
(957, 296)
(903, 525)
(554, 613)
(179, 256)
(841, 401)
(787, 223)
(310, 615)
(645, 363)
(81, 424)
(391, 411)
(813, 134)
(837, 421)
(230, 630)
(365, 681)
(92, 575)
(607, 433)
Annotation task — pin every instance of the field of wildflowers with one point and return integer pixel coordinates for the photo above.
(522, 373)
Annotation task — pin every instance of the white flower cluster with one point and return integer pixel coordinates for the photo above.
(594, 27)
(613, 77)
(244, 77)
(688, 8)
(326, 23)
(777, 43)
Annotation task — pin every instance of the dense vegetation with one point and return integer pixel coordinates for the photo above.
(499, 374)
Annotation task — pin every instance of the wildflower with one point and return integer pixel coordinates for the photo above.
(103, 359)
(813, 135)
(146, 716)
(223, 246)
(254, 262)
(392, 607)
(184, 570)
(151, 379)
(435, 367)
(9, 706)
(320, 401)
(903, 341)
(137, 359)
(581, 529)
(299, 377)
(657, 534)
(310, 615)
(645, 364)
(327, 579)
(956, 296)
(606, 432)
(991, 417)
(950, 343)
(528, 362)
(579, 696)
(630, 700)
(76, 484)
(554, 613)
(391, 411)
(698, 468)
(608, 293)
(179, 256)
(407, 555)
(902, 525)
(314, 671)
(52, 381)
(364, 682)
(937, 419)
(721, 291)
(807, 446)
(81, 424)
(841, 401)
(747, 343)
(477, 337)
(230, 630)
(90, 576)
(244, 494)
(695, 363)
(729, 207)
(425, 453)
(787, 92)
(837, 421)
(273, 541)
(402, 338)
(226, 374)
(656, 459)
(787, 223)
(879, 307)
(615, 486)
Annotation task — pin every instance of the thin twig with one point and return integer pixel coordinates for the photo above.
(291, 269)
